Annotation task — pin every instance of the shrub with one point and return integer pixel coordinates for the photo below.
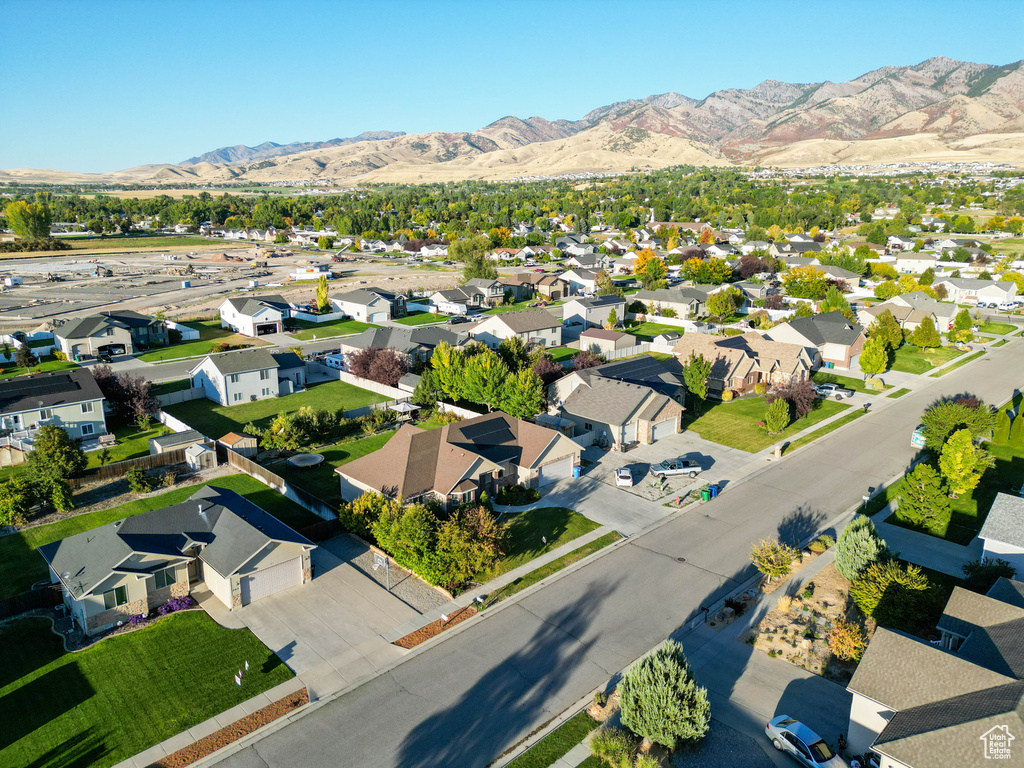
(613, 746)
(136, 619)
(784, 604)
(517, 495)
(921, 498)
(738, 606)
(846, 641)
(661, 701)
(176, 604)
(1017, 432)
(760, 388)
(58, 355)
(727, 395)
(360, 514)
(1001, 431)
(891, 593)
(980, 575)
(858, 547)
(138, 480)
(776, 417)
(600, 699)
(773, 558)
(646, 761)
(821, 543)
(809, 590)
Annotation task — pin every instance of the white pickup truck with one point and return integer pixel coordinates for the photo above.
(676, 467)
(833, 390)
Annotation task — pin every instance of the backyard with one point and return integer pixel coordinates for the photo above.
(735, 424)
(322, 481)
(132, 442)
(21, 567)
(420, 318)
(310, 331)
(647, 331)
(525, 304)
(117, 698)
(210, 333)
(217, 420)
(911, 359)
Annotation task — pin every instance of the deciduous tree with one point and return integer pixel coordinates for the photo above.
(874, 356)
(485, 378)
(17, 496)
(524, 394)
(323, 301)
(696, 373)
(962, 463)
(649, 268)
(30, 221)
(887, 329)
(805, 282)
(945, 417)
(773, 558)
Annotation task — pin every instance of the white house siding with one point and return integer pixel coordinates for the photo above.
(249, 385)
(492, 332)
(1000, 549)
(219, 585)
(591, 316)
(70, 417)
(271, 555)
(867, 719)
(378, 310)
(246, 324)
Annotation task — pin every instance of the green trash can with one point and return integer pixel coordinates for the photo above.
(705, 494)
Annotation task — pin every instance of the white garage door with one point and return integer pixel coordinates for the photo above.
(663, 429)
(379, 317)
(556, 470)
(270, 580)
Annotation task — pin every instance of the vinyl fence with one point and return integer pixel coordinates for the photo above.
(173, 423)
(181, 396)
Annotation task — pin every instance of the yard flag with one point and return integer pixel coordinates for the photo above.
(238, 681)
(239, 674)
(247, 665)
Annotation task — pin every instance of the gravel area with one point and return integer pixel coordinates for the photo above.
(724, 747)
(404, 585)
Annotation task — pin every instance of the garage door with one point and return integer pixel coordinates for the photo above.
(379, 317)
(266, 582)
(663, 429)
(556, 470)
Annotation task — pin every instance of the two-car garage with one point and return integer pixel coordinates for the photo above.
(556, 470)
(265, 582)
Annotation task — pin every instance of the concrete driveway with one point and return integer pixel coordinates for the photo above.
(328, 631)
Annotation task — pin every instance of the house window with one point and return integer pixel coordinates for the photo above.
(87, 407)
(588, 426)
(266, 391)
(233, 378)
(45, 413)
(88, 429)
(165, 578)
(115, 597)
(236, 397)
(264, 375)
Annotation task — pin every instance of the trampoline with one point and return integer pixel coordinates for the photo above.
(306, 460)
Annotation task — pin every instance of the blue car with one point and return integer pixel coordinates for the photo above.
(801, 743)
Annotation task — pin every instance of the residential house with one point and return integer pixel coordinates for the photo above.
(416, 343)
(457, 462)
(581, 280)
(216, 539)
(830, 339)
(592, 260)
(897, 243)
(312, 272)
(920, 704)
(719, 250)
(602, 342)
(910, 309)
(1002, 535)
(778, 250)
(568, 240)
(741, 362)
(685, 302)
(751, 291)
(664, 376)
(371, 305)
(527, 284)
(435, 251)
(115, 332)
(754, 245)
(242, 376)
(478, 292)
(621, 414)
(966, 290)
(68, 399)
(536, 327)
(255, 316)
(847, 278)
(507, 254)
(595, 311)
(914, 263)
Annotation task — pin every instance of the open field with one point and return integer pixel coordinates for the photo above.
(735, 424)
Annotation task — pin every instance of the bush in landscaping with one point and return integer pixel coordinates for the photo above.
(176, 604)
(138, 481)
(800, 396)
(891, 593)
(773, 558)
(360, 514)
(980, 575)
(517, 495)
(821, 543)
(760, 388)
(614, 747)
(646, 761)
(947, 416)
(1017, 432)
(727, 395)
(17, 496)
(1001, 431)
(661, 701)
(135, 619)
(922, 499)
(858, 547)
(776, 417)
(846, 641)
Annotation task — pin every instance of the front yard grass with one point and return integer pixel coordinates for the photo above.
(997, 328)
(45, 365)
(911, 359)
(21, 566)
(217, 420)
(735, 424)
(420, 318)
(210, 333)
(119, 697)
(647, 331)
(899, 392)
(958, 363)
(857, 385)
(308, 330)
(525, 531)
(556, 744)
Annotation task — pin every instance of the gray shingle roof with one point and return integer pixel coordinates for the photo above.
(84, 327)
(526, 320)
(599, 301)
(187, 437)
(241, 361)
(674, 295)
(405, 340)
(829, 328)
(287, 360)
(249, 305)
(1005, 521)
(46, 390)
(608, 400)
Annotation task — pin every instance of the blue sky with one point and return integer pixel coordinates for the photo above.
(88, 85)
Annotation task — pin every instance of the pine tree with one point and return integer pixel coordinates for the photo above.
(776, 417)
(1017, 432)
(859, 545)
(661, 701)
(922, 499)
(612, 320)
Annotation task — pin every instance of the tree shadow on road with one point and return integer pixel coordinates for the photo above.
(799, 525)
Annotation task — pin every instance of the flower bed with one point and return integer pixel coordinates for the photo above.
(435, 628)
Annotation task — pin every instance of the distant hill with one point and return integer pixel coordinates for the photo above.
(940, 109)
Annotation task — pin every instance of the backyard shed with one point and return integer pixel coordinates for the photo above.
(199, 457)
(175, 441)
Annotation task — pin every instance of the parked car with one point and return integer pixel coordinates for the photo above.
(103, 357)
(833, 390)
(676, 468)
(1006, 306)
(801, 743)
(624, 477)
(458, 319)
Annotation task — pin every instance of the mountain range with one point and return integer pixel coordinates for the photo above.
(941, 109)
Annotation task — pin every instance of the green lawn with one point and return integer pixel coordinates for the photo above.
(45, 365)
(1000, 342)
(102, 705)
(911, 359)
(322, 481)
(210, 333)
(328, 330)
(168, 387)
(553, 747)
(998, 329)
(217, 420)
(899, 392)
(525, 304)
(560, 354)
(857, 385)
(830, 427)
(132, 442)
(735, 424)
(21, 567)
(39, 343)
(647, 331)
(958, 363)
(525, 530)
(420, 318)
(539, 574)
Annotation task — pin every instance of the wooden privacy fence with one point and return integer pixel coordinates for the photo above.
(301, 497)
(46, 597)
(120, 468)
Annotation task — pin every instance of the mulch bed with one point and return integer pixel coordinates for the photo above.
(434, 628)
(210, 744)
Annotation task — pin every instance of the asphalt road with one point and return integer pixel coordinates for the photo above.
(470, 697)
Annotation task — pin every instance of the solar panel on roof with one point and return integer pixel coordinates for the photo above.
(17, 389)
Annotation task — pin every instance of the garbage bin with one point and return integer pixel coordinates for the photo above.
(714, 490)
(705, 494)
(577, 470)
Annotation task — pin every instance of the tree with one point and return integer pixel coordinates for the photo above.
(922, 500)
(323, 301)
(776, 417)
(524, 394)
(943, 418)
(1001, 430)
(962, 463)
(846, 640)
(805, 282)
(30, 221)
(891, 593)
(887, 329)
(129, 396)
(485, 376)
(649, 268)
(24, 357)
(383, 365)
(836, 302)
(53, 459)
(798, 395)
(962, 330)
(612, 320)
(586, 359)
(359, 515)
(661, 701)
(449, 364)
(695, 374)
(721, 304)
(706, 236)
(469, 542)
(803, 309)
(874, 356)
(409, 534)
(859, 545)
(17, 496)
(472, 252)
(927, 277)
(546, 367)
(325, 243)
(426, 393)
(926, 335)
(707, 271)
(981, 575)
(773, 558)
(606, 286)
(513, 353)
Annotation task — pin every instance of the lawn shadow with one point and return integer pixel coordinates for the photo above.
(278, 658)
(79, 751)
(41, 701)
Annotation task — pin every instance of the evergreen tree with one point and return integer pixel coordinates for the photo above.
(922, 499)
(859, 545)
(612, 320)
(776, 417)
(695, 375)
(24, 357)
(1001, 431)
(1017, 432)
(662, 702)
